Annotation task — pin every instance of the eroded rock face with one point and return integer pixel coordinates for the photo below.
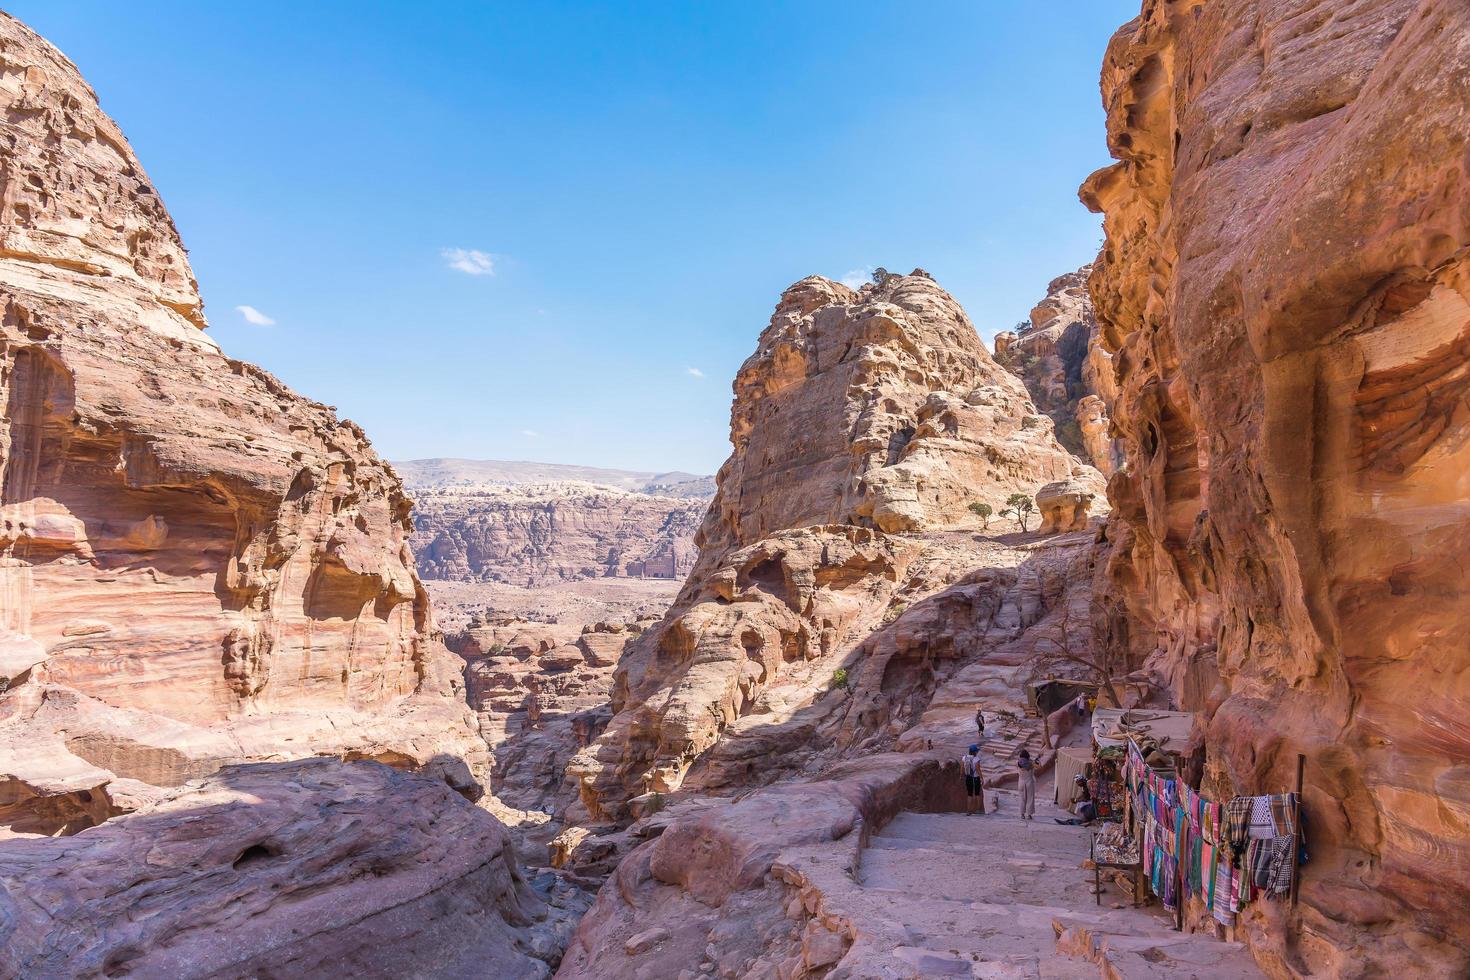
(279, 869)
(878, 408)
(197, 565)
(539, 534)
(723, 891)
(540, 692)
(1064, 506)
(863, 427)
(1069, 374)
(1285, 290)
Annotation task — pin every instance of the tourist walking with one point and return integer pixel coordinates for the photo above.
(1027, 785)
(970, 766)
(980, 722)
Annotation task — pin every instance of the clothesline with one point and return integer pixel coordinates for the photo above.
(1225, 854)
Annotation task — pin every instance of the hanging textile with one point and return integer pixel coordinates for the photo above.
(1222, 854)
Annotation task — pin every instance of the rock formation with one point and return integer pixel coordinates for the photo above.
(198, 569)
(540, 692)
(197, 566)
(280, 869)
(863, 427)
(534, 535)
(1064, 506)
(879, 408)
(1069, 374)
(1286, 294)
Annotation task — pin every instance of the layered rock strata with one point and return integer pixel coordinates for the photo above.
(1285, 290)
(535, 535)
(197, 565)
(1068, 374)
(863, 427)
(540, 692)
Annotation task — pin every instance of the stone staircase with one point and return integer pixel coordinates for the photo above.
(951, 895)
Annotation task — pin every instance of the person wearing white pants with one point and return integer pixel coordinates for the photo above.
(1027, 785)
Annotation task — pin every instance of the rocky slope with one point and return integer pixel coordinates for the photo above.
(540, 534)
(201, 568)
(1067, 372)
(861, 416)
(1286, 294)
(822, 668)
(540, 693)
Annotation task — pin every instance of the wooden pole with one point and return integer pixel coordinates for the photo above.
(1178, 862)
(1296, 824)
(1096, 872)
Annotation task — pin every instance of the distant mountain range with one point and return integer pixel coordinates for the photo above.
(448, 472)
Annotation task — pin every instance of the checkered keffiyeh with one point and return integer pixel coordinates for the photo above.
(1283, 806)
(1238, 822)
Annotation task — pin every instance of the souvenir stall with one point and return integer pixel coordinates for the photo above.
(1222, 854)
(1161, 734)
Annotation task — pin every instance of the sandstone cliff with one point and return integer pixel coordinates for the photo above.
(540, 692)
(199, 570)
(1286, 294)
(534, 535)
(197, 565)
(862, 428)
(1067, 372)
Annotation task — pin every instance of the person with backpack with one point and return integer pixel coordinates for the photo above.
(1026, 783)
(970, 766)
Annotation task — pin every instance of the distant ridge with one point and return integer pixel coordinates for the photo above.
(450, 472)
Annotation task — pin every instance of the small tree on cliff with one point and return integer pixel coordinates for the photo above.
(881, 275)
(1019, 506)
(983, 511)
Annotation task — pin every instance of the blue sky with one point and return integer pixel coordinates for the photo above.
(554, 231)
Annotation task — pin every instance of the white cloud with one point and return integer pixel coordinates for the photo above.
(695, 371)
(530, 433)
(470, 261)
(857, 278)
(254, 316)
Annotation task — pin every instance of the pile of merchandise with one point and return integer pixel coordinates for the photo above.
(1114, 845)
(1224, 854)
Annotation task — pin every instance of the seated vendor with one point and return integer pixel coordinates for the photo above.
(1085, 809)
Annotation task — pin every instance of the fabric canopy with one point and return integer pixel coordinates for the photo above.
(1070, 762)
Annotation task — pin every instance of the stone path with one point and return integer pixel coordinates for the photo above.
(950, 895)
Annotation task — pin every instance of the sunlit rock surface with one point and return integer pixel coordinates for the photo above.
(1285, 291)
(197, 565)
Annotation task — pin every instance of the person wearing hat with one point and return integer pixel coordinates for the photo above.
(970, 766)
(1085, 810)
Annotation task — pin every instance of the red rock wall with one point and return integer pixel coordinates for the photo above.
(1285, 290)
(197, 565)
